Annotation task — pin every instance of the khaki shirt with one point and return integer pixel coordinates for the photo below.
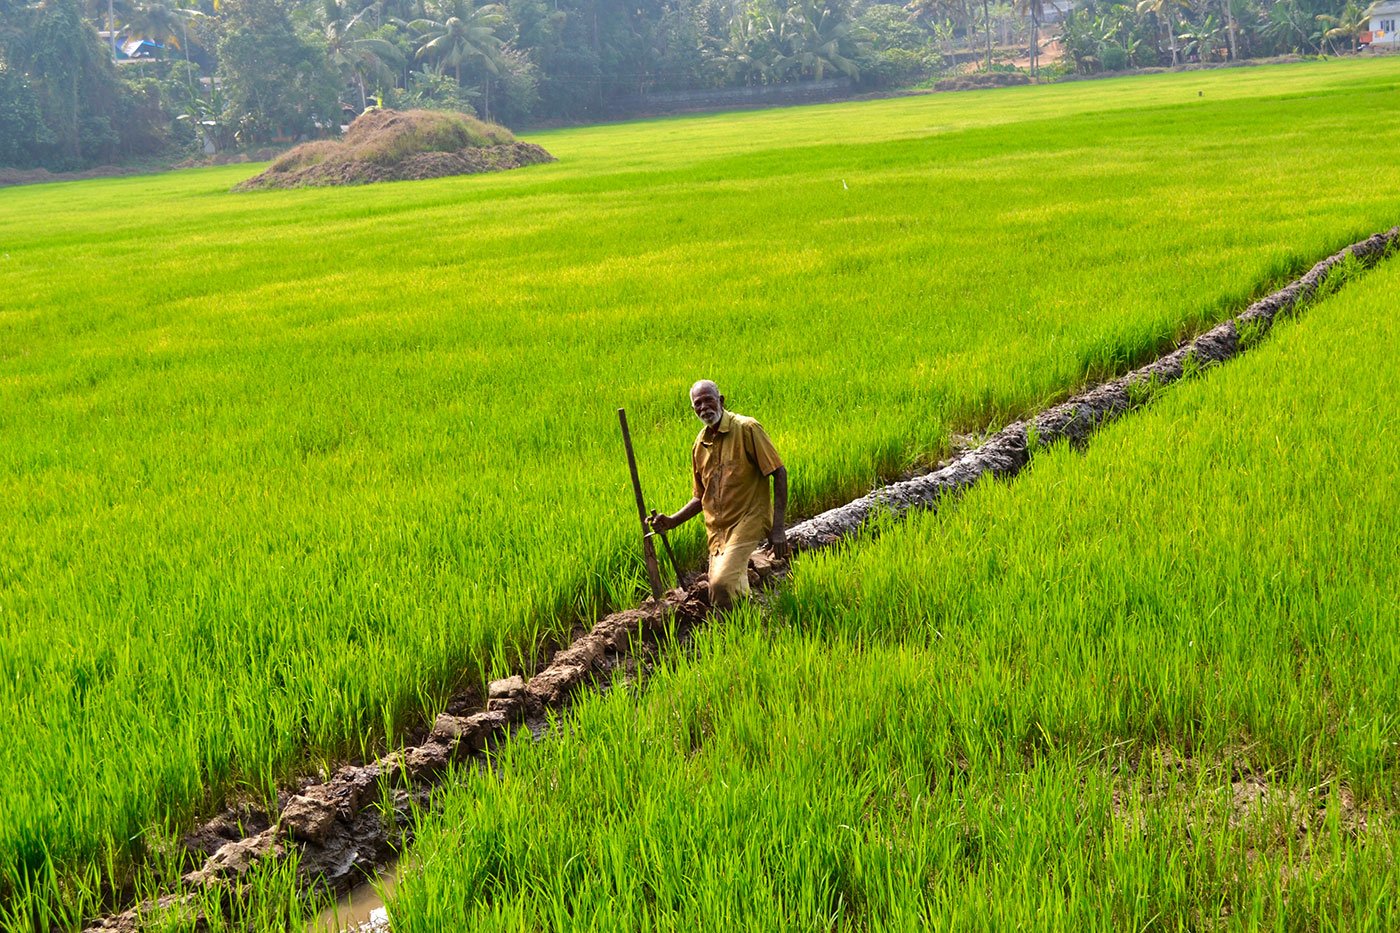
(732, 464)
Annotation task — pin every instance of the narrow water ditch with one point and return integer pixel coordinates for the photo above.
(361, 909)
(349, 828)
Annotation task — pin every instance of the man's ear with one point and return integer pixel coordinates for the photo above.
(721, 401)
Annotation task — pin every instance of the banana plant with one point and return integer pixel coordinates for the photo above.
(209, 118)
(1166, 11)
(1204, 40)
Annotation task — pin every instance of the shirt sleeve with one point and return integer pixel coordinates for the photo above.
(698, 484)
(764, 454)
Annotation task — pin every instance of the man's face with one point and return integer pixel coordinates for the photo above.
(708, 406)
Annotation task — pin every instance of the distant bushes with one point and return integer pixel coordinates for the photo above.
(62, 103)
(898, 68)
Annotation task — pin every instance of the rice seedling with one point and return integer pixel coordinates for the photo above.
(279, 471)
(1148, 685)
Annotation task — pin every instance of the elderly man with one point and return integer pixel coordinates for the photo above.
(732, 461)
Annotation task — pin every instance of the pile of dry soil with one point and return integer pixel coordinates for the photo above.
(389, 145)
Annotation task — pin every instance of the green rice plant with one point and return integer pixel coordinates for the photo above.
(1033, 441)
(1145, 686)
(279, 473)
(1249, 333)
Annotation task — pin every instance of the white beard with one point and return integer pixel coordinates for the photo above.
(713, 419)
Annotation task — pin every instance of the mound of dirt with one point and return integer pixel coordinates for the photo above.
(389, 145)
(983, 79)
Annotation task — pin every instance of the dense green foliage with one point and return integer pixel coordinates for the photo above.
(334, 453)
(1151, 686)
(277, 83)
(61, 104)
(1109, 35)
(249, 72)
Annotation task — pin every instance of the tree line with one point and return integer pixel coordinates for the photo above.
(222, 73)
(1101, 35)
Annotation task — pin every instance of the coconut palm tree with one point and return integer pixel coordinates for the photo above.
(753, 48)
(821, 39)
(354, 54)
(1287, 23)
(1231, 28)
(457, 33)
(1348, 24)
(1035, 9)
(161, 22)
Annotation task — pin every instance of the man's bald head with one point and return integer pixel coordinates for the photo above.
(707, 402)
(704, 387)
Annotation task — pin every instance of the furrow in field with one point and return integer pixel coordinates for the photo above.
(336, 832)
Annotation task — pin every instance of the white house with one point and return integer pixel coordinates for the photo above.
(1385, 17)
(1057, 10)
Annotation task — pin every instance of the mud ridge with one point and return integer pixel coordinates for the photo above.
(1007, 451)
(345, 828)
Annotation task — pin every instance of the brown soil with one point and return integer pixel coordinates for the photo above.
(982, 79)
(346, 827)
(1051, 51)
(417, 167)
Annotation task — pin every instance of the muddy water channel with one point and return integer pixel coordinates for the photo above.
(360, 909)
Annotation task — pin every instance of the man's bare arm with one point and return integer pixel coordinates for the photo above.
(686, 513)
(778, 537)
